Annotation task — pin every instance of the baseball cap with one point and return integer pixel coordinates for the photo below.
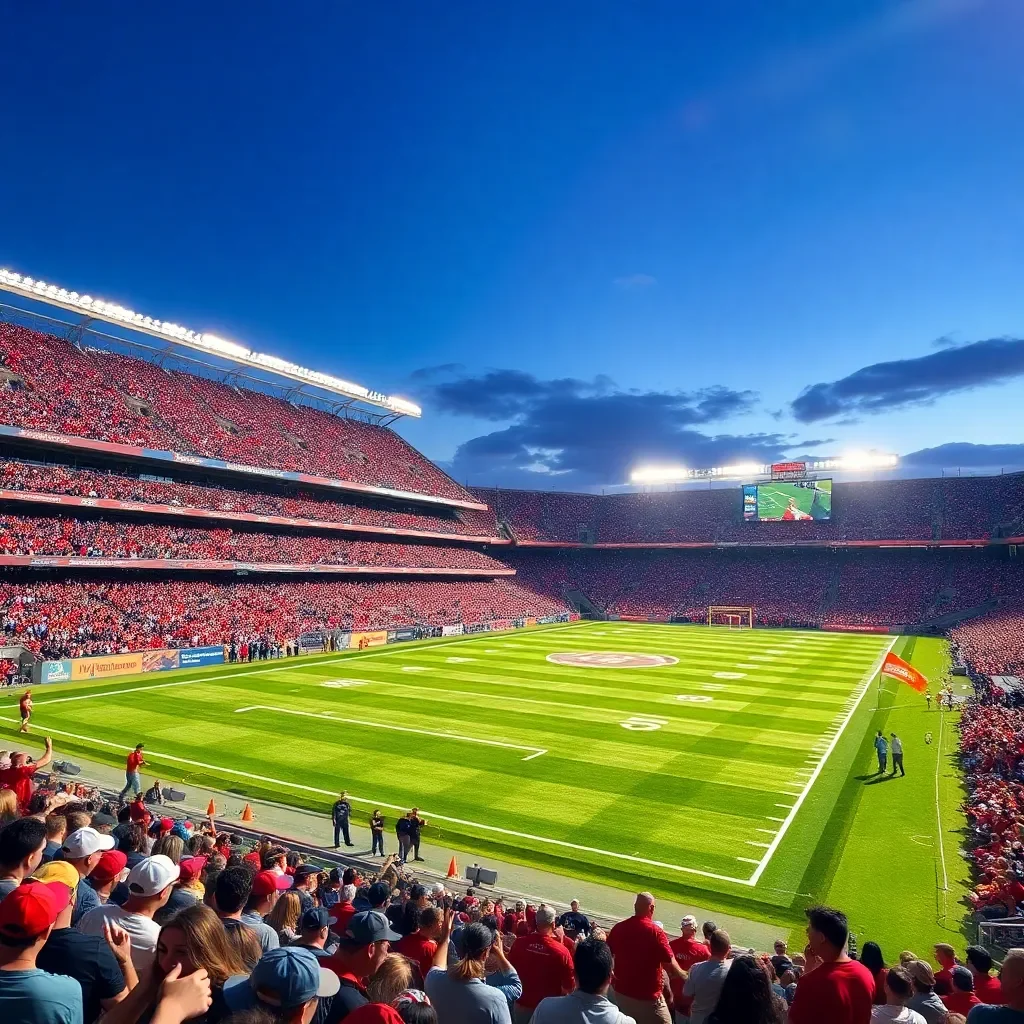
(152, 875)
(111, 864)
(26, 912)
(191, 868)
(305, 870)
(921, 972)
(378, 894)
(266, 882)
(689, 921)
(314, 919)
(366, 927)
(287, 977)
(166, 824)
(437, 889)
(84, 842)
(101, 820)
(58, 871)
(962, 977)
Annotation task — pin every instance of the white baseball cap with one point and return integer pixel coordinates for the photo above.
(84, 842)
(152, 875)
(689, 921)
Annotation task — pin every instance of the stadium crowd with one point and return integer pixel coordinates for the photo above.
(49, 478)
(994, 643)
(115, 911)
(111, 538)
(784, 586)
(55, 386)
(80, 617)
(968, 508)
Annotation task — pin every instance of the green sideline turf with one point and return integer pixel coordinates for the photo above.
(690, 801)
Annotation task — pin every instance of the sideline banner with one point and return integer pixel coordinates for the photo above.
(407, 633)
(839, 627)
(457, 629)
(499, 625)
(374, 638)
(190, 657)
(55, 671)
(106, 665)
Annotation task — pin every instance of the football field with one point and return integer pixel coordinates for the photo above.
(705, 760)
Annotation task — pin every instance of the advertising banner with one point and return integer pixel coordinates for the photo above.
(159, 661)
(312, 643)
(456, 629)
(841, 627)
(343, 641)
(106, 665)
(531, 620)
(55, 672)
(374, 638)
(408, 633)
(497, 625)
(478, 627)
(191, 657)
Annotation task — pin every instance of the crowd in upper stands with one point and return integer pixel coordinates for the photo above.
(116, 911)
(994, 643)
(969, 508)
(55, 386)
(38, 535)
(81, 617)
(48, 478)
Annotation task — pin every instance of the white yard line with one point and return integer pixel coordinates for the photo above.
(861, 690)
(291, 666)
(561, 843)
(938, 808)
(329, 716)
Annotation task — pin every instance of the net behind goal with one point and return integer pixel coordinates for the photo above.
(731, 618)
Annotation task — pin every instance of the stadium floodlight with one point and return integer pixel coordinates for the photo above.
(112, 312)
(659, 475)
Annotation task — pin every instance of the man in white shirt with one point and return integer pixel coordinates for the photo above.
(898, 990)
(896, 745)
(149, 884)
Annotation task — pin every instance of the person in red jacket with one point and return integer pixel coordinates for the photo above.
(962, 998)
(543, 963)
(986, 987)
(421, 945)
(835, 989)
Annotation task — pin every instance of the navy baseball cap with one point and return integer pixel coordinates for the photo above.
(366, 927)
(378, 894)
(314, 919)
(285, 978)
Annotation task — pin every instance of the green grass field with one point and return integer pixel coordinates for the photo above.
(728, 778)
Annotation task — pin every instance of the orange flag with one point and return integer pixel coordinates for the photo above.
(903, 672)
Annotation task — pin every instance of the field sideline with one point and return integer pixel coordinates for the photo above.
(711, 776)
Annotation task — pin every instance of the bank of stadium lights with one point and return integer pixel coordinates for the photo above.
(855, 461)
(33, 288)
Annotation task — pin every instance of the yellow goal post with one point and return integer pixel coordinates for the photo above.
(730, 616)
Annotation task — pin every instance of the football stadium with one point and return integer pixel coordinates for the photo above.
(239, 563)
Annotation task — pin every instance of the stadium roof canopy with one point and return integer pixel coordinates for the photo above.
(227, 359)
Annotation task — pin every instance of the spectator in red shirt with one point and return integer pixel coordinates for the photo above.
(839, 990)
(987, 988)
(421, 945)
(543, 964)
(962, 998)
(641, 950)
(945, 957)
(343, 911)
(871, 957)
(19, 776)
(132, 779)
(688, 951)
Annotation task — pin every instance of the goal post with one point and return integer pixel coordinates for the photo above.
(731, 617)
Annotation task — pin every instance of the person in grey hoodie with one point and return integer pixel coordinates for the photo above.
(589, 1003)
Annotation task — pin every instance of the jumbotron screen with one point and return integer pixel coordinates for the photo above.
(779, 501)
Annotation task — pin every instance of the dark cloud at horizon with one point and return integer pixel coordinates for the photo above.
(572, 433)
(888, 386)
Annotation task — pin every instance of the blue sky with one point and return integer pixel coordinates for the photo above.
(582, 234)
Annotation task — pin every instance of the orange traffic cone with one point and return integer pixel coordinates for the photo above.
(211, 809)
(453, 869)
(247, 814)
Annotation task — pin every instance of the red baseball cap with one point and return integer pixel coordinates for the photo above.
(166, 824)
(32, 908)
(267, 882)
(111, 864)
(191, 868)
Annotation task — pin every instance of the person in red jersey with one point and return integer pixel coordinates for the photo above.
(641, 950)
(421, 945)
(961, 999)
(986, 987)
(688, 951)
(132, 779)
(19, 776)
(792, 512)
(837, 990)
(25, 707)
(543, 964)
(945, 957)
